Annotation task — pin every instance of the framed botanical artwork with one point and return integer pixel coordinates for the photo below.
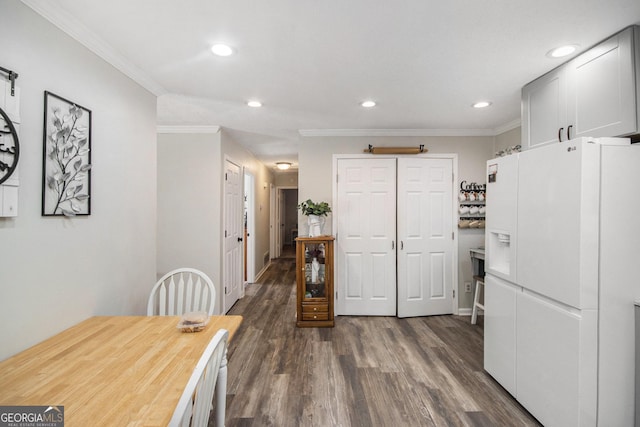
(66, 165)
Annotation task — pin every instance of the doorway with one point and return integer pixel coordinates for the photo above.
(288, 222)
(395, 253)
(249, 227)
(233, 235)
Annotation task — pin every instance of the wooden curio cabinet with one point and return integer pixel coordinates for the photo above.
(314, 275)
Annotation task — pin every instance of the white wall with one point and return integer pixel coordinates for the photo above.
(55, 272)
(315, 158)
(263, 178)
(190, 202)
(287, 179)
(189, 205)
(508, 139)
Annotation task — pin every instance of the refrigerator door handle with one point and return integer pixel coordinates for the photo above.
(569, 132)
(560, 134)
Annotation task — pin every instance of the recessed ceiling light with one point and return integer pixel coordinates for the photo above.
(481, 104)
(561, 51)
(368, 104)
(221, 50)
(254, 104)
(283, 165)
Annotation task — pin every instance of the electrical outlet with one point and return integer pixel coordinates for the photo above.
(467, 286)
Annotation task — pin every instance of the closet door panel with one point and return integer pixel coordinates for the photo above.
(365, 248)
(425, 227)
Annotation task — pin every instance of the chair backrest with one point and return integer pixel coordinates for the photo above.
(181, 291)
(194, 407)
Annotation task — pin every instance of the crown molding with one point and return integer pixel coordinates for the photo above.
(410, 132)
(59, 17)
(507, 126)
(396, 132)
(188, 129)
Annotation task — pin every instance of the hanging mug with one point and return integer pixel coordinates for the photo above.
(472, 196)
(464, 210)
(462, 196)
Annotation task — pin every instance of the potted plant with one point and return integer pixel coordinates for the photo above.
(315, 213)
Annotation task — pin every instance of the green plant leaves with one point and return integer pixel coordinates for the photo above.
(309, 207)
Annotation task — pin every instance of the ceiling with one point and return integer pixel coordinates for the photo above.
(311, 62)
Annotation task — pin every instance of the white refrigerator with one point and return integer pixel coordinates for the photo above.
(562, 270)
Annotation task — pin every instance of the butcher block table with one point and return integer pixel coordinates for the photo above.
(112, 370)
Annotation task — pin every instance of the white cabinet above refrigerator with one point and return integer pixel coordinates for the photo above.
(595, 94)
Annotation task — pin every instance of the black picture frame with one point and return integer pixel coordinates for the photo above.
(66, 158)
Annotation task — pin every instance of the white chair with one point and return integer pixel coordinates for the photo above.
(181, 291)
(194, 407)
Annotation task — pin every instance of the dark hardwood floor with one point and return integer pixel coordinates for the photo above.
(367, 371)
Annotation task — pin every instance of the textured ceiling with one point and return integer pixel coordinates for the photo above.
(311, 62)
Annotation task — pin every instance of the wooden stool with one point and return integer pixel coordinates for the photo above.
(476, 299)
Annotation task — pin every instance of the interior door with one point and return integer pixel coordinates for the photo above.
(425, 236)
(249, 227)
(233, 235)
(366, 229)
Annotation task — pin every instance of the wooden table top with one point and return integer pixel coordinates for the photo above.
(110, 370)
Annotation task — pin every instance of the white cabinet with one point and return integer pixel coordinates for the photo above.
(595, 95)
(602, 89)
(544, 109)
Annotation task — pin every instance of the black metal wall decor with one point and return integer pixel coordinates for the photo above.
(12, 78)
(66, 164)
(9, 147)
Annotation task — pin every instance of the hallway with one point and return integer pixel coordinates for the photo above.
(367, 371)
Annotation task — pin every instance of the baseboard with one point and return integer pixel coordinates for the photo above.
(464, 312)
(261, 272)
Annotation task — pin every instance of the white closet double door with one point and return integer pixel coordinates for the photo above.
(395, 236)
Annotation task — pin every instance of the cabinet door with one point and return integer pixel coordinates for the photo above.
(315, 272)
(544, 109)
(602, 94)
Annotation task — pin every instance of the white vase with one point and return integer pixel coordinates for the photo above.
(316, 223)
(315, 269)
